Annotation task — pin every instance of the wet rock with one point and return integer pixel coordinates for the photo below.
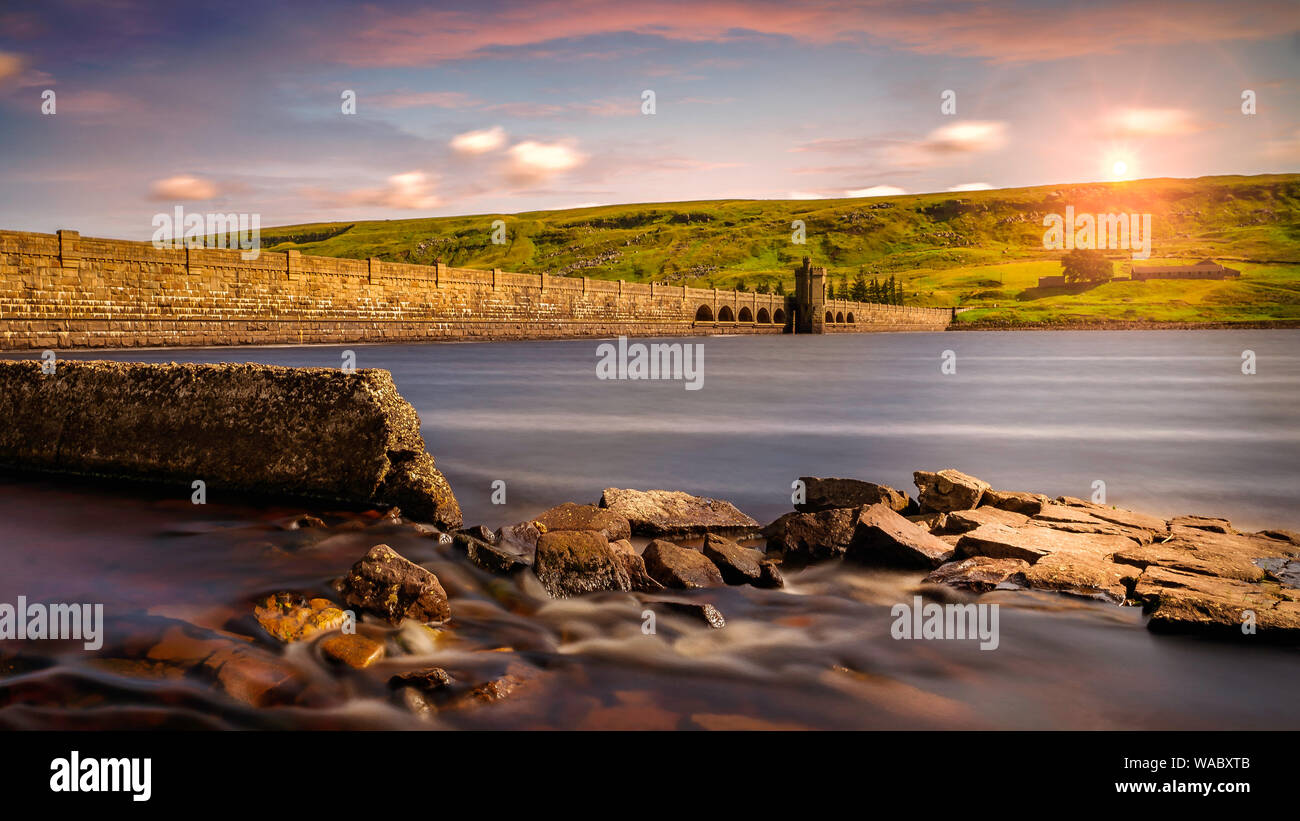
(1028, 504)
(187, 647)
(770, 577)
(289, 617)
(828, 494)
(673, 513)
(520, 538)
(254, 676)
(570, 516)
(882, 536)
(1202, 523)
(517, 677)
(811, 537)
(1283, 571)
(426, 679)
(573, 562)
(1194, 602)
(1084, 575)
(948, 490)
(494, 558)
(478, 532)
(637, 575)
(394, 588)
(738, 565)
(703, 611)
(963, 521)
(979, 574)
(352, 649)
(304, 521)
(680, 567)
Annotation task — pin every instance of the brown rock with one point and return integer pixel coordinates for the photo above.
(770, 576)
(680, 567)
(738, 565)
(573, 562)
(570, 516)
(963, 521)
(1120, 516)
(1194, 602)
(289, 617)
(394, 588)
(828, 494)
(673, 513)
(979, 573)
(1033, 543)
(639, 579)
(882, 536)
(254, 676)
(703, 611)
(1202, 523)
(494, 558)
(1029, 504)
(426, 679)
(519, 538)
(948, 490)
(1194, 550)
(810, 537)
(1079, 574)
(352, 649)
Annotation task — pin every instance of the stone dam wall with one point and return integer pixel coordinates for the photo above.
(62, 291)
(318, 433)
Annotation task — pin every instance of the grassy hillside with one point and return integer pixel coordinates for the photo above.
(974, 249)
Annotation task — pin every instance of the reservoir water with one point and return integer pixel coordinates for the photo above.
(1166, 421)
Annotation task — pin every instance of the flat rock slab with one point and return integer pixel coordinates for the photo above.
(316, 433)
(1193, 550)
(290, 617)
(673, 513)
(948, 490)
(1032, 543)
(828, 494)
(882, 536)
(352, 649)
(680, 567)
(570, 516)
(501, 559)
(394, 588)
(1203, 523)
(574, 562)
(1194, 602)
(963, 521)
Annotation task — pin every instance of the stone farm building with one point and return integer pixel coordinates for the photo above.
(1205, 269)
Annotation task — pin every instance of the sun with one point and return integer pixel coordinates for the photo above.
(1119, 169)
(1119, 163)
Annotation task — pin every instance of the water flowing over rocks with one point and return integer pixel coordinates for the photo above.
(1191, 573)
(674, 514)
(394, 588)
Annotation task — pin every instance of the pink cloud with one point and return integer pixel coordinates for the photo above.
(967, 29)
(183, 187)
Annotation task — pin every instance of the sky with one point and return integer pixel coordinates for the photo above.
(114, 111)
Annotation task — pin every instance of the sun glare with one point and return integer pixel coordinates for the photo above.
(1120, 169)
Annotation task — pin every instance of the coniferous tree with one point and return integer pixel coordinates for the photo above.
(830, 289)
(780, 287)
(860, 288)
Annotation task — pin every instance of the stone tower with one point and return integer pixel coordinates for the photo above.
(810, 298)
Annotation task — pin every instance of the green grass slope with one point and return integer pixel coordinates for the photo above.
(979, 249)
